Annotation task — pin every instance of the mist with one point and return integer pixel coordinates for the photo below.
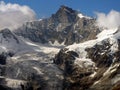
(13, 16)
(108, 21)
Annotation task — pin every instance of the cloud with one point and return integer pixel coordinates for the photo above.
(14, 15)
(109, 21)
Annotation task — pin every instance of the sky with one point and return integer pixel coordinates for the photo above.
(44, 8)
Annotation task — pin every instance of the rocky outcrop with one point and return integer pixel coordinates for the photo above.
(76, 78)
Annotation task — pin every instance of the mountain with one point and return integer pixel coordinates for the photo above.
(66, 26)
(64, 52)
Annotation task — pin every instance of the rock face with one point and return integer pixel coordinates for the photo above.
(65, 26)
(108, 65)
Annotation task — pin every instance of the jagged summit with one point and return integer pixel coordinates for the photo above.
(67, 9)
(65, 26)
(65, 15)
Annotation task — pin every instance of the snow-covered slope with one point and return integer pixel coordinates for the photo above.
(9, 42)
(112, 35)
(94, 63)
(106, 35)
(30, 60)
(39, 52)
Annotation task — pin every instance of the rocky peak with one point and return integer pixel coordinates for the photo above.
(65, 14)
(66, 9)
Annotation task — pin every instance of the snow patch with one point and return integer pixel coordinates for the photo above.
(45, 48)
(59, 27)
(80, 48)
(13, 83)
(92, 75)
(111, 69)
(38, 70)
(96, 82)
(114, 43)
(84, 63)
(116, 79)
(40, 19)
(18, 72)
(82, 16)
(2, 49)
(56, 43)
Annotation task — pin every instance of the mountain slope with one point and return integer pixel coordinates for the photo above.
(92, 65)
(21, 61)
(9, 42)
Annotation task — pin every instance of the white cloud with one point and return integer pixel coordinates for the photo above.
(109, 21)
(14, 15)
